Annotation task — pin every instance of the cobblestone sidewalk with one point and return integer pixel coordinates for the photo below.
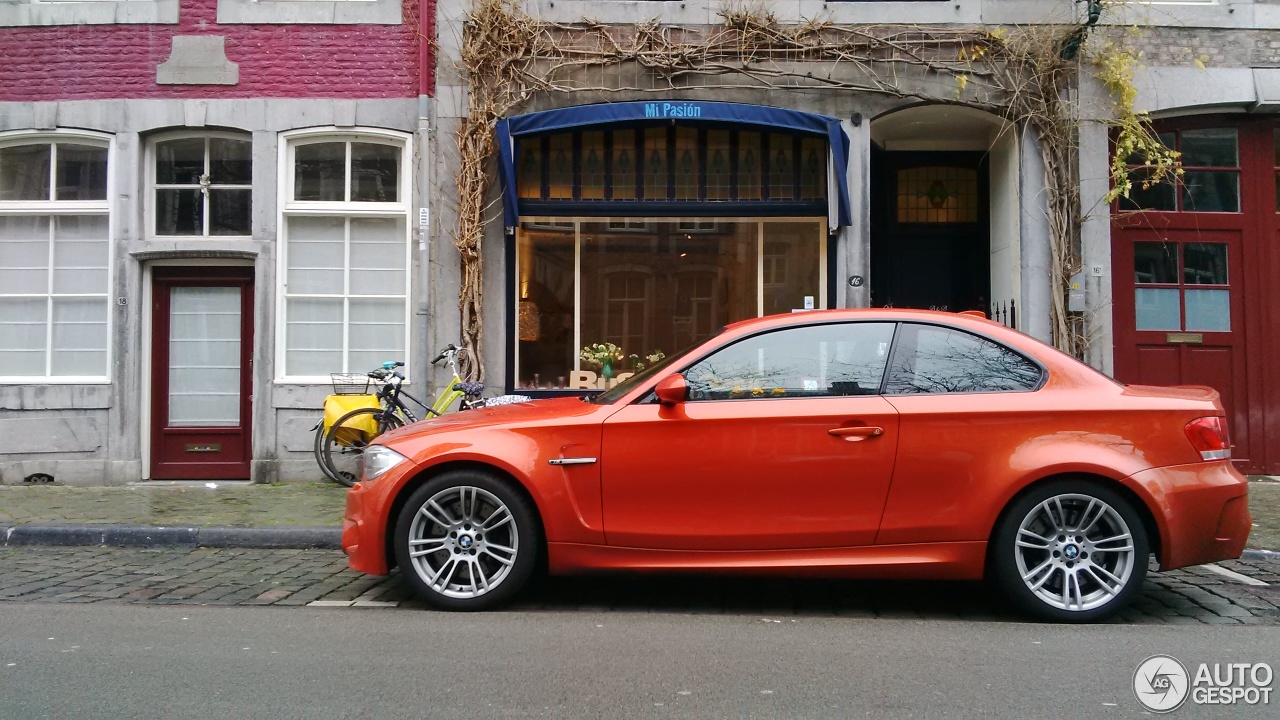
(313, 505)
(227, 504)
(319, 578)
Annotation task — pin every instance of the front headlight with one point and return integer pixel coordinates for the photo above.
(379, 459)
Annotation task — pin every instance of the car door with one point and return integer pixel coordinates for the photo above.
(784, 442)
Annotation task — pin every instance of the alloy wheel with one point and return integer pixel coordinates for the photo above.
(463, 542)
(1074, 552)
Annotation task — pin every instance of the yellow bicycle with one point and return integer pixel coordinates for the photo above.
(353, 416)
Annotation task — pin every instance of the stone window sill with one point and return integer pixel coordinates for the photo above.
(309, 12)
(25, 13)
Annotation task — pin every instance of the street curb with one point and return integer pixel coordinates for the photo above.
(327, 538)
(1264, 555)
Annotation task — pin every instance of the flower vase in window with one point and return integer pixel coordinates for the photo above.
(603, 356)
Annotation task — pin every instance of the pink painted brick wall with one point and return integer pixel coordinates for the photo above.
(89, 62)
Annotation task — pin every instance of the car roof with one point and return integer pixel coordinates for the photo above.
(895, 314)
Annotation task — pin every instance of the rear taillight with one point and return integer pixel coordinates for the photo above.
(1208, 435)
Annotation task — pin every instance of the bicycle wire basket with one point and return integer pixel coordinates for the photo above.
(350, 383)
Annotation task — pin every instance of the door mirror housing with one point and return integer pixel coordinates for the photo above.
(672, 389)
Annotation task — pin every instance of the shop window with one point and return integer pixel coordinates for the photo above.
(651, 286)
(345, 255)
(938, 194)
(671, 163)
(1181, 286)
(55, 250)
(1211, 174)
(202, 186)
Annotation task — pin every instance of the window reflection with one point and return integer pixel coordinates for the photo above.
(815, 361)
(649, 286)
(929, 359)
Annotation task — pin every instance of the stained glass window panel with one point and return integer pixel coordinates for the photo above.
(813, 169)
(782, 167)
(529, 184)
(937, 195)
(623, 165)
(749, 166)
(687, 163)
(560, 168)
(655, 163)
(592, 167)
(719, 164)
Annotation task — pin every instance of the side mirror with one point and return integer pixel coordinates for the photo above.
(672, 389)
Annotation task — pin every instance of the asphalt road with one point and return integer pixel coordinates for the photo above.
(131, 661)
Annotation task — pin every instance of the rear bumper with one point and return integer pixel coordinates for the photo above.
(363, 536)
(1202, 511)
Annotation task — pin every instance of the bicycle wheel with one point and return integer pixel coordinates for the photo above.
(344, 444)
(317, 449)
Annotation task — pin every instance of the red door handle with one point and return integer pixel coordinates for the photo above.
(856, 433)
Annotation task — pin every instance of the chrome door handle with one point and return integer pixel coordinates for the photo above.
(854, 434)
(571, 461)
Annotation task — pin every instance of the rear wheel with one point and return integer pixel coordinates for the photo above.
(1071, 550)
(342, 453)
(466, 540)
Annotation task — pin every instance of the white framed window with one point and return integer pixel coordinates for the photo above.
(31, 13)
(200, 185)
(55, 257)
(345, 252)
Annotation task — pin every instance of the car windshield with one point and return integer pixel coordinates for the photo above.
(609, 396)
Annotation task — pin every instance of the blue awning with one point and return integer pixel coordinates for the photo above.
(761, 116)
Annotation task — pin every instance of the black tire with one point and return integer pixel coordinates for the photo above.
(344, 443)
(434, 515)
(1097, 580)
(317, 449)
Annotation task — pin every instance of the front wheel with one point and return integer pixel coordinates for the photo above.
(342, 453)
(467, 541)
(1071, 551)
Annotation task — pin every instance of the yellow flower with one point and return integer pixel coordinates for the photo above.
(778, 391)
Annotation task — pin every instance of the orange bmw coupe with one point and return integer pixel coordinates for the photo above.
(843, 443)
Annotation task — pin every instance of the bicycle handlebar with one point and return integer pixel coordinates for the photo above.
(451, 349)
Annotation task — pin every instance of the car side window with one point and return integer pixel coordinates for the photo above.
(931, 359)
(832, 360)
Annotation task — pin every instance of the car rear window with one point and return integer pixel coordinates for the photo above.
(933, 359)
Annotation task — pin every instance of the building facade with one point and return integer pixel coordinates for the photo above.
(649, 215)
(206, 206)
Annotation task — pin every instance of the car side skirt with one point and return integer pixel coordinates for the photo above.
(936, 561)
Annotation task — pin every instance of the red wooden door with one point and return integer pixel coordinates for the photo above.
(202, 355)
(1189, 296)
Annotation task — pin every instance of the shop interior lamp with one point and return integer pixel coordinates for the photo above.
(529, 321)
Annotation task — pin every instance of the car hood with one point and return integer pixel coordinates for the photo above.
(535, 412)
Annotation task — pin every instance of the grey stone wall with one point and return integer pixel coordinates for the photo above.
(93, 434)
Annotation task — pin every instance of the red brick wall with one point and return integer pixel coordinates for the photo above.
(89, 62)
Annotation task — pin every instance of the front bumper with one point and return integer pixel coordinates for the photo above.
(364, 533)
(1202, 510)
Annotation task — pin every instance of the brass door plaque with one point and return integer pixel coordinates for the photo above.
(1184, 338)
(209, 448)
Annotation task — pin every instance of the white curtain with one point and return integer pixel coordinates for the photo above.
(70, 292)
(204, 356)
